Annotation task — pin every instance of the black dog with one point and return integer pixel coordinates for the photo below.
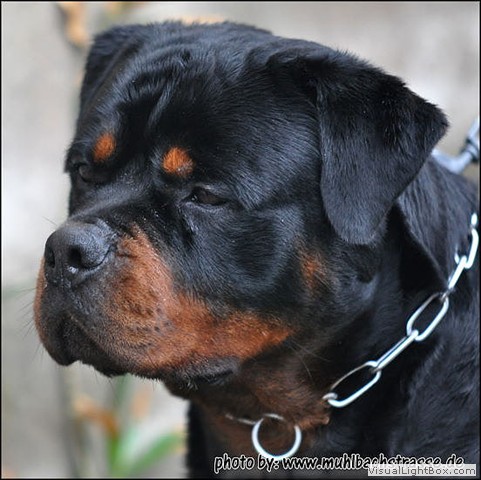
(253, 217)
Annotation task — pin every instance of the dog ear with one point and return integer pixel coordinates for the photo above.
(375, 135)
(109, 51)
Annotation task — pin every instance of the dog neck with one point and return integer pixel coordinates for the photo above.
(285, 383)
(292, 380)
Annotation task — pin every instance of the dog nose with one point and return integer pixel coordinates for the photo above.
(74, 251)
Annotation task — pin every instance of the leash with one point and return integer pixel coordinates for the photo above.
(463, 263)
(468, 154)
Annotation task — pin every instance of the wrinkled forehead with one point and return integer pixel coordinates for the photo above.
(201, 114)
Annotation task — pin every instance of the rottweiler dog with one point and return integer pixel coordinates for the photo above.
(251, 218)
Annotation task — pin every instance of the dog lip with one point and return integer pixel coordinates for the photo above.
(57, 350)
(96, 356)
(67, 343)
(54, 341)
(61, 357)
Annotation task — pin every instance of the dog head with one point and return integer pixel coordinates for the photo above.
(230, 192)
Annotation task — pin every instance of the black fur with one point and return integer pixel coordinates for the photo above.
(304, 148)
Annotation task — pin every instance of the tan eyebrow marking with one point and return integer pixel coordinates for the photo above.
(104, 147)
(178, 162)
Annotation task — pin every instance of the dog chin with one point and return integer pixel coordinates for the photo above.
(185, 381)
(64, 357)
(180, 382)
(212, 373)
(108, 371)
(70, 343)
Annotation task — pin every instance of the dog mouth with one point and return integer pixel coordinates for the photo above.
(135, 316)
(70, 340)
(56, 346)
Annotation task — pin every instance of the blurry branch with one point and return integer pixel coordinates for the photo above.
(77, 22)
(76, 440)
(75, 27)
(76, 19)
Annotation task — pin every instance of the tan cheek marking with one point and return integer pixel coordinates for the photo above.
(169, 329)
(242, 335)
(313, 269)
(178, 162)
(104, 147)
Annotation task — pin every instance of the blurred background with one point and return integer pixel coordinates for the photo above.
(72, 422)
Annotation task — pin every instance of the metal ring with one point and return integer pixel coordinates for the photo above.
(264, 453)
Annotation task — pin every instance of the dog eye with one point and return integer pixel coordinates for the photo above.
(85, 173)
(205, 197)
(88, 174)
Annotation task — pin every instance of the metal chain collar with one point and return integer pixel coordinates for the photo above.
(465, 262)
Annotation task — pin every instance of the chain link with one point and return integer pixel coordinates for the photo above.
(464, 262)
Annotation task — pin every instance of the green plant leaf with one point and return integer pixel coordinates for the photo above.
(157, 450)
